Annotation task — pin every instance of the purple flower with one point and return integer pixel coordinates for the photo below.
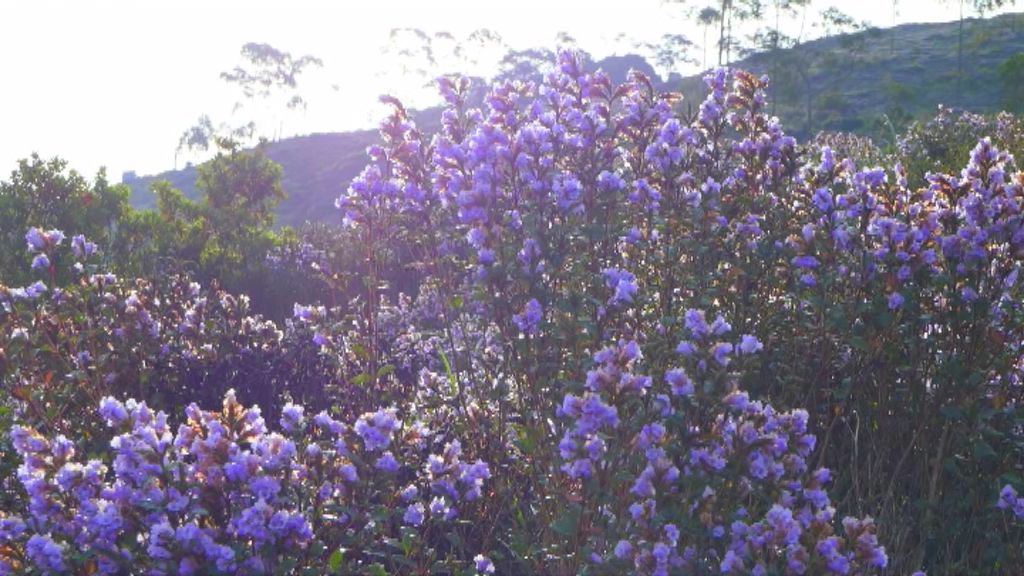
(293, 418)
(738, 401)
(721, 351)
(968, 294)
(476, 237)
(686, 348)
(414, 514)
(40, 262)
(749, 344)
(483, 564)
(895, 300)
(822, 199)
(34, 238)
(695, 323)
(375, 429)
(528, 321)
(486, 256)
(113, 411)
(45, 554)
(529, 255)
(731, 563)
(265, 487)
(680, 382)
(805, 261)
(409, 492)
(622, 283)
(11, 528)
(81, 247)
(36, 290)
(672, 533)
(623, 549)
(387, 463)
(348, 473)
(439, 507)
(1008, 500)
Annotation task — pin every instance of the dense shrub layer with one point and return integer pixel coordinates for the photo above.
(606, 298)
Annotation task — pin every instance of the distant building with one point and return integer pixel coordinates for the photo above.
(129, 176)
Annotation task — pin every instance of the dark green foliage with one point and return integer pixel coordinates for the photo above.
(1011, 74)
(45, 193)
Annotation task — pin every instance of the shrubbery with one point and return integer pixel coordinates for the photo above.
(550, 340)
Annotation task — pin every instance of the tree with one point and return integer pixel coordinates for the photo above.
(162, 241)
(418, 56)
(524, 63)
(669, 52)
(771, 39)
(892, 31)
(979, 7)
(197, 137)
(707, 17)
(268, 72)
(241, 188)
(725, 13)
(804, 59)
(47, 194)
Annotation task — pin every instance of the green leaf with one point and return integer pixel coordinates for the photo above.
(334, 562)
(952, 412)
(286, 566)
(982, 450)
(452, 385)
(567, 523)
(859, 343)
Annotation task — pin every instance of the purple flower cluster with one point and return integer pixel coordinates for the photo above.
(878, 232)
(43, 241)
(528, 321)
(750, 453)
(221, 494)
(1008, 500)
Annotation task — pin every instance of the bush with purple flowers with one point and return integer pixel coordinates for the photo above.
(224, 494)
(581, 332)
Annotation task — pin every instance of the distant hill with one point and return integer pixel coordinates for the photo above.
(905, 72)
(845, 82)
(317, 169)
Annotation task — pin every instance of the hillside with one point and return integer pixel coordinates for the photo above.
(849, 82)
(872, 82)
(317, 168)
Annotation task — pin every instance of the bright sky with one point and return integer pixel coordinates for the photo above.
(115, 83)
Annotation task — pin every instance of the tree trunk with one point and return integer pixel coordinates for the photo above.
(960, 51)
(892, 33)
(721, 30)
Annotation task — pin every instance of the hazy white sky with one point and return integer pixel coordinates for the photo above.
(115, 83)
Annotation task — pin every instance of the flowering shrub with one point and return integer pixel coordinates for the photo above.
(531, 287)
(942, 143)
(575, 200)
(223, 494)
(170, 342)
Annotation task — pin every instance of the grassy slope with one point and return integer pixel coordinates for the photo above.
(900, 72)
(854, 79)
